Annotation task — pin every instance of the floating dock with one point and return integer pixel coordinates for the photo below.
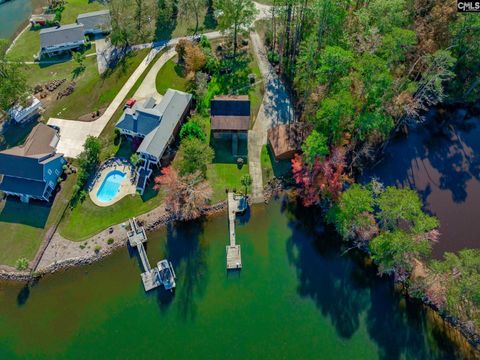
(136, 238)
(236, 204)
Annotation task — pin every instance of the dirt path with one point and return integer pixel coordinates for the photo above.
(276, 109)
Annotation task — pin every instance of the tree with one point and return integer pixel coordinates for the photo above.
(194, 156)
(135, 159)
(352, 214)
(403, 207)
(322, 180)
(13, 82)
(315, 145)
(233, 15)
(461, 284)
(186, 196)
(192, 130)
(21, 264)
(79, 58)
(194, 58)
(193, 7)
(87, 161)
(246, 181)
(395, 251)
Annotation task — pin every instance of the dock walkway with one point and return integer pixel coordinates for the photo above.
(236, 204)
(136, 238)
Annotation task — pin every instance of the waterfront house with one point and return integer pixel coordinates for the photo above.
(56, 40)
(96, 22)
(157, 125)
(31, 170)
(286, 139)
(230, 118)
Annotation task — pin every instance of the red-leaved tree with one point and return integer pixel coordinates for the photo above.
(322, 180)
(187, 196)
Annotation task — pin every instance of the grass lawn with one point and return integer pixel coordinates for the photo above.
(183, 23)
(23, 226)
(171, 76)
(92, 91)
(266, 163)
(87, 219)
(75, 7)
(224, 176)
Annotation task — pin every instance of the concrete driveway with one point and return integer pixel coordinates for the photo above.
(74, 133)
(276, 109)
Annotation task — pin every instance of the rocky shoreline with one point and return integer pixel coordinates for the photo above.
(63, 254)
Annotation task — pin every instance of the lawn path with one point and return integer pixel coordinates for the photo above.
(276, 109)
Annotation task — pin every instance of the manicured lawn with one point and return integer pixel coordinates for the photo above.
(184, 24)
(273, 168)
(26, 47)
(92, 91)
(75, 7)
(267, 169)
(224, 176)
(171, 76)
(256, 92)
(23, 226)
(87, 219)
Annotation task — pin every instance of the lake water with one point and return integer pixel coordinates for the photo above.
(296, 297)
(13, 14)
(440, 160)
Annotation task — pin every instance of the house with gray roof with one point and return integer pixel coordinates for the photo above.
(31, 170)
(157, 125)
(96, 22)
(56, 40)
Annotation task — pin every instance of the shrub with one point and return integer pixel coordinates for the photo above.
(195, 155)
(97, 249)
(21, 264)
(110, 241)
(192, 130)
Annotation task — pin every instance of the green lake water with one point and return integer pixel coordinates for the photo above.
(295, 298)
(13, 14)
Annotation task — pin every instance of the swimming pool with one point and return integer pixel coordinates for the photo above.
(110, 186)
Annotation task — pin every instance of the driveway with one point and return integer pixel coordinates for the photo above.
(276, 109)
(148, 88)
(74, 133)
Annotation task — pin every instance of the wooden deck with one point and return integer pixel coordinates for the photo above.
(234, 252)
(136, 238)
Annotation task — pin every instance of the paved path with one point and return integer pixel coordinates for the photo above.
(276, 109)
(74, 133)
(148, 88)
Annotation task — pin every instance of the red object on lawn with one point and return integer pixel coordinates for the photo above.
(130, 103)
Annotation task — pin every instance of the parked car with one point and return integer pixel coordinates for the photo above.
(130, 103)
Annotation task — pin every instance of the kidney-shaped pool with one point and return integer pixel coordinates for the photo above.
(110, 186)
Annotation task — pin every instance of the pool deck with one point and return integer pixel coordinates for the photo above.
(126, 188)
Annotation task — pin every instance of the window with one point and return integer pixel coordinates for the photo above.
(57, 172)
(49, 171)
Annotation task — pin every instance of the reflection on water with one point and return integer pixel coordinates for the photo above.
(13, 13)
(440, 160)
(296, 297)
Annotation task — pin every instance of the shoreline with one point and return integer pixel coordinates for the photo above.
(462, 334)
(49, 265)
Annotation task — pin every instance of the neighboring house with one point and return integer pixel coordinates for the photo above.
(230, 118)
(56, 40)
(21, 114)
(157, 125)
(97, 22)
(31, 170)
(285, 140)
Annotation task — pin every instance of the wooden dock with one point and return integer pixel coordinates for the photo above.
(136, 238)
(236, 204)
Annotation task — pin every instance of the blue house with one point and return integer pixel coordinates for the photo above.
(157, 126)
(31, 170)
